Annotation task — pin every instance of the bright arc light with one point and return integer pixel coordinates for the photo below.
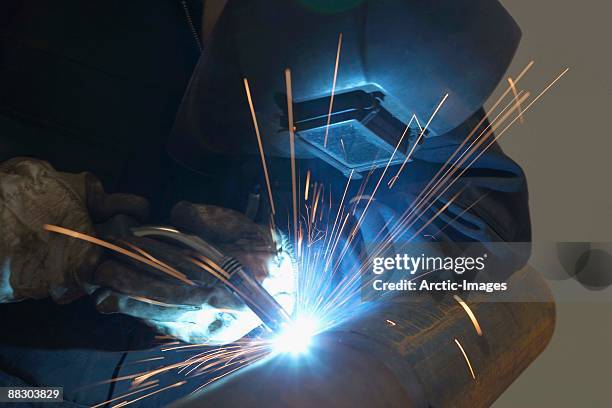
(297, 336)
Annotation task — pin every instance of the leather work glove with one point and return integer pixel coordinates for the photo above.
(206, 312)
(266, 253)
(35, 263)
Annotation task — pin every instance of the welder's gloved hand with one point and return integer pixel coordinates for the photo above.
(266, 253)
(35, 263)
(195, 308)
(205, 311)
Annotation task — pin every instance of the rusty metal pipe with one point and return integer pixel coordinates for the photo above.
(413, 363)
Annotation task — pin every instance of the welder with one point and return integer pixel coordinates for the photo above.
(94, 89)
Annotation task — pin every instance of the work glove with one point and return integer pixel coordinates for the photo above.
(35, 263)
(201, 309)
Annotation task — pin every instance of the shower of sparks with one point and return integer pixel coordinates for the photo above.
(470, 314)
(333, 90)
(259, 144)
(418, 140)
(466, 210)
(515, 92)
(420, 206)
(323, 235)
(474, 130)
(382, 176)
(467, 360)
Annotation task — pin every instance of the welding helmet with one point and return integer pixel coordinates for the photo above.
(397, 59)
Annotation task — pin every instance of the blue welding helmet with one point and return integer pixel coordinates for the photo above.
(398, 59)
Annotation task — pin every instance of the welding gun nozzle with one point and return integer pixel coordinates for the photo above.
(257, 298)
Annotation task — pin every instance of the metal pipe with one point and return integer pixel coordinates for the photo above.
(404, 354)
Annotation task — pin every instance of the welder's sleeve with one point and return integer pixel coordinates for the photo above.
(34, 263)
(30, 196)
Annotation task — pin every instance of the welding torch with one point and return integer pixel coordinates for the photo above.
(240, 281)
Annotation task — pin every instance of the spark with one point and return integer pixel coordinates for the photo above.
(343, 149)
(292, 147)
(515, 92)
(340, 208)
(416, 119)
(469, 136)
(307, 187)
(418, 140)
(363, 214)
(84, 237)
(167, 229)
(503, 131)
(467, 360)
(346, 287)
(259, 144)
(427, 192)
(123, 404)
(474, 145)
(316, 202)
(440, 211)
(331, 99)
(453, 167)
(146, 254)
(467, 209)
(369, 201)
(212, 267)
(470, 314)
(144, 360)
(152, 302)
(124, 395)
(319, 293)
(406, 223)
